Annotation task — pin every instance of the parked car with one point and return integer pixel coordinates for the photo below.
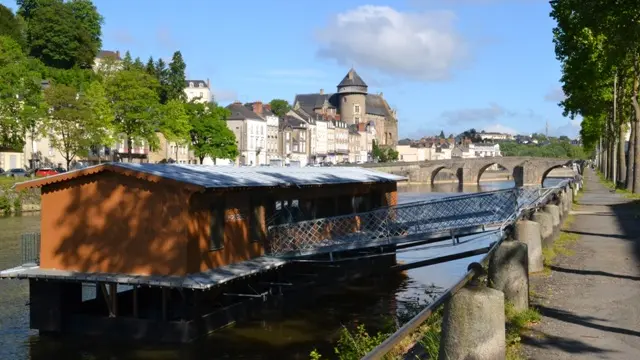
(60, 170)
(45, 172)
(1, 171)
(16, 173)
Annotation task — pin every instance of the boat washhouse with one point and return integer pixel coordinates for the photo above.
(173, 252)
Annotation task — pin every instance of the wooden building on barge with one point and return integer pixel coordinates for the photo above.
(164, 244)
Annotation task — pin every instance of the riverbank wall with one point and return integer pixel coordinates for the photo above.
(14, 202)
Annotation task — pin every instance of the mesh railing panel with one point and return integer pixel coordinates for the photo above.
(30, 246)
(401, 221)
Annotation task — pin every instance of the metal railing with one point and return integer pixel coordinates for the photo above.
(399, 222)
(30, 248)
(530, 198)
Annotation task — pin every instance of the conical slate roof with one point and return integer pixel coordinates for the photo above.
(352, 79)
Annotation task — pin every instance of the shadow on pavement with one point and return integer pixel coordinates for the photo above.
(591, 272)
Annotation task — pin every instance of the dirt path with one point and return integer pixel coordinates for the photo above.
(591, 301)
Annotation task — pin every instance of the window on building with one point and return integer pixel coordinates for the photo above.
(201, 94)
(191, 84)
(356, 109)
(356, 119)
(217, 214)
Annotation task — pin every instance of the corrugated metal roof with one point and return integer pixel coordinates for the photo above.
(209, 176)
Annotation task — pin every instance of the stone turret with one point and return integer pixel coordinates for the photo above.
(352, 91)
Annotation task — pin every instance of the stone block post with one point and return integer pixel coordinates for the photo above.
(509, 273)
(528, 232)
(546, 226)
(473, 325)
(554, 211)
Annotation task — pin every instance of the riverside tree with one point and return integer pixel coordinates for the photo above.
(175, 124)
(597, 44)
(62, 34)
(133, 98)
(209, 133)
(20, 95)
(174, 80)
(68, 122)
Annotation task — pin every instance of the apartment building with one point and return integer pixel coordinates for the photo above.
(354, 144)
(198, 90)
(341, 131)
(250, 130)
(264, 111)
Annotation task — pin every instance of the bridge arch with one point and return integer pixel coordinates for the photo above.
(457, 172)
(478, 172)
(546, 173)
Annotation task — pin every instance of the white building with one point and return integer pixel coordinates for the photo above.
(198, 90)
(264, 111)
(251, 134)
(107, 61)
(485, 150)
(322, 146)
(495, 136)
(331, 142)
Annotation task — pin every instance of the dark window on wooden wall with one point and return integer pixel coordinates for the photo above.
(216, 240)
(376, 199)
(256, 231)
(362, 203)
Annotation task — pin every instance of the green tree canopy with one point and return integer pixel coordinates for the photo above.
(175, 124)
(210, 135)
(175, 80)
(133, 98)
(64, 35)
(280, 107)
(20, 95)
(11, 26)
(68, 121)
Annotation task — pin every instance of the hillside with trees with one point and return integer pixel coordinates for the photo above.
(48, 87)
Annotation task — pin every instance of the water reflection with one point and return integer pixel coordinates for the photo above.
(284, 331)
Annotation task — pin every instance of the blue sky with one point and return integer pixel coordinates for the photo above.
(443, 64)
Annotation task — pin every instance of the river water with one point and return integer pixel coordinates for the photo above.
(283, 333)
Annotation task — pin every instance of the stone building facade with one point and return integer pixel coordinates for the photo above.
(353, 104)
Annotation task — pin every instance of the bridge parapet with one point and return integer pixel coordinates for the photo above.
(525, 170)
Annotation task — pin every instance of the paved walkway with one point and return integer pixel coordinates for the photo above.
(591, 301)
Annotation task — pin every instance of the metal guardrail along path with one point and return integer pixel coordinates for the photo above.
(403, 222)
(529, 199)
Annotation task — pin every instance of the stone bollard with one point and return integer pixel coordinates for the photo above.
(473, 325)
(509, 273)
(528, 232)
(546, 227)
(554, 211)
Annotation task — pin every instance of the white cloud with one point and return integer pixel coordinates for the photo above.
(555, 95)
(422, 46)
(570, 129)
(224, 96)
(472, 115)
(500, 129)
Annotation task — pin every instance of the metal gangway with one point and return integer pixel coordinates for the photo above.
(449, 217)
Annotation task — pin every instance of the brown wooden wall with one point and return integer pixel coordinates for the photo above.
(108, 222)
(241, 242)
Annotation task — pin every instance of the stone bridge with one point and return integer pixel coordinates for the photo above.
(525, 170)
